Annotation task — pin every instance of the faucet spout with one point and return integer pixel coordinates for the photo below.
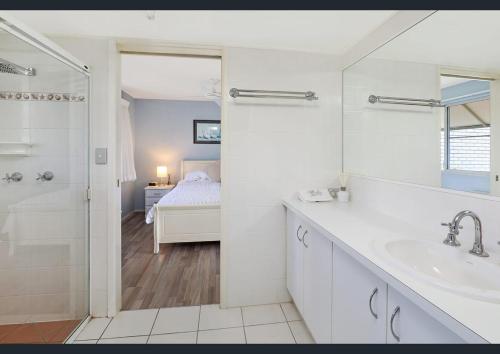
(478, 247)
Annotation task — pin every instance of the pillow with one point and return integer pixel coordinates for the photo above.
(197, 176)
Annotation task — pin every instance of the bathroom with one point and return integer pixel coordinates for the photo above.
(393, 127)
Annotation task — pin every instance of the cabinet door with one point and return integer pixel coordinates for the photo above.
(412, 325)
(317, 311)
(359, 302)
(294, 258)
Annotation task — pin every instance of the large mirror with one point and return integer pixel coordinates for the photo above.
(425, 107)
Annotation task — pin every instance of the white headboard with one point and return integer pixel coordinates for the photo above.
(211, 167)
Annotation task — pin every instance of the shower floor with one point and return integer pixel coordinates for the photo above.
(54, 332)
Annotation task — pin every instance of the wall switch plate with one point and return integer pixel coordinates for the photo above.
(101, 156)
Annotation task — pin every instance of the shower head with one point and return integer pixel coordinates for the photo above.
(11, 68)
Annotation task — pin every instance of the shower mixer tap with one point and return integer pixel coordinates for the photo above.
(46, 176)
(15, 177)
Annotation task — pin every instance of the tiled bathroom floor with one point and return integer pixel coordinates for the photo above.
(53, 332)
(276, 323)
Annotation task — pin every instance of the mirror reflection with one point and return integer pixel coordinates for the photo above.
(423, 110)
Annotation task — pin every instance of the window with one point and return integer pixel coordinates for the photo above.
(465, 137)
(469, 149)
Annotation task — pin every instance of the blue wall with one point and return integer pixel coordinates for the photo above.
(164, 136)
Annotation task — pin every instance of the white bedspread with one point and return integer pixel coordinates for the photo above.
(189, 193)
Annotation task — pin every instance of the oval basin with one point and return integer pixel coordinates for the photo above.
(451, 268)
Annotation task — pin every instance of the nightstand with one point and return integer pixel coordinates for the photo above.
(152, 194)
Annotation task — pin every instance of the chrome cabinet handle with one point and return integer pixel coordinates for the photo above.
(394, 313)
(375, 291)
(304, 239)
(297, 233)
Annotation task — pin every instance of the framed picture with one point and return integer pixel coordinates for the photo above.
(206, 131)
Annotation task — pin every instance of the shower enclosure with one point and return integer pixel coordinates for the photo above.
(44, 177)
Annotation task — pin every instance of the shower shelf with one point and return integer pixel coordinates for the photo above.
(15, 149)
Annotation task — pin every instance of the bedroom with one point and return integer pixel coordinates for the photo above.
(170, 180)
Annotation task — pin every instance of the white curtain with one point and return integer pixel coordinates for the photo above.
(127, 144)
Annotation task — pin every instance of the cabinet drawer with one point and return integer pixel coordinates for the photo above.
(152, 200)
(156, 192)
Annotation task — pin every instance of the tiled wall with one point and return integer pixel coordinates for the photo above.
(425, 208)
(43, 225)
(271, 149)
(396, 142)
(96, 54)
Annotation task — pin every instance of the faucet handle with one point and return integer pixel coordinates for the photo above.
(451, 238)
(450, 225)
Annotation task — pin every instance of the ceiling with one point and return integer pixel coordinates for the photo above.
(171, 77)
(332, 32)
(458, 39)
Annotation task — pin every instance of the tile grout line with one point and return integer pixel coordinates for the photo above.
(154, 322)
(100, 337)
(198, 329)
(288, 324)
(243, 322)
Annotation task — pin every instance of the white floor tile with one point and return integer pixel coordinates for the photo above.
(222, 336)
(291, 312)
(173, 338)
(90, 341)
(262, 314)
(131, 323)
(93, 329)
(124, 340)
(277, 333)
(177, 319)
(213, 317)
(300, 332)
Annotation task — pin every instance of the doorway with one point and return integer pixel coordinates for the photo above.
(170, 181)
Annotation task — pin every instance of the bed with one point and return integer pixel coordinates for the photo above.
(191, 211)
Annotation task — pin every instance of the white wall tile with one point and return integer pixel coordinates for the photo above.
(273, 148)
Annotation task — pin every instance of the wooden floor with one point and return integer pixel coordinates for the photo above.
(182, 274)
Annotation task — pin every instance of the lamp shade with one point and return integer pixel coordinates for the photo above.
(161, 171)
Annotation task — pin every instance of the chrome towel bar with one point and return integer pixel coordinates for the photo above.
(296, 95)
(405, 101)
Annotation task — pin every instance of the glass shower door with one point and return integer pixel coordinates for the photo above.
(44, 236)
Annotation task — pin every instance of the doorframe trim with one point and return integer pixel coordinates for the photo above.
(114, 227)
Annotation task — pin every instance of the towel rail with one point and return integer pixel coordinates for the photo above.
(405, 101)
(296, 95)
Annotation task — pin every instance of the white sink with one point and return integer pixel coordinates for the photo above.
(451, 268)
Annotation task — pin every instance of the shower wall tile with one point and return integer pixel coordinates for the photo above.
(43, 225)
(14, 282)
(14, 309)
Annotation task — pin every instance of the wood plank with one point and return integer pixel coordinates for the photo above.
(183, 274)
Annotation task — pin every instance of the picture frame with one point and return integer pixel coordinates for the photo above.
(206, 131)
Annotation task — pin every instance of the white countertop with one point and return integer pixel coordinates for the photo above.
(356, 229)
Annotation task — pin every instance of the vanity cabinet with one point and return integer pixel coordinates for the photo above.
(407, 323)
(309, 276)
(359, 302)
(343, 301)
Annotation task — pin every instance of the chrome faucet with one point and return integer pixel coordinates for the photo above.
(454, 226)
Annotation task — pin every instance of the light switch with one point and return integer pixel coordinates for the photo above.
(101, 156)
